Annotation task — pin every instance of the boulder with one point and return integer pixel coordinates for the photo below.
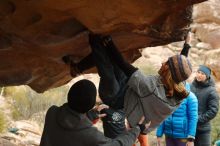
(5, 142)
(35, 35)
(27, 133)
(206, 25)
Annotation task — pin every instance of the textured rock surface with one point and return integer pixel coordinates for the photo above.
(206, 27)
(28, 134)
(206, 18)
(34, 35)
(4, 142)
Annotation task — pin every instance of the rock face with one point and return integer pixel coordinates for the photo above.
(34, 35)
(4, 142)
(206, 27)
(206, 18)
(27, 134)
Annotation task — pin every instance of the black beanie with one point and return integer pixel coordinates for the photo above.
(82, 96)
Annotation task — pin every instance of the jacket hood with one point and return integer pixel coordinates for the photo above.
(209, 82)
(71, 120)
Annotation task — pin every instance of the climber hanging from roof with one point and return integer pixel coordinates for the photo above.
(127, 90)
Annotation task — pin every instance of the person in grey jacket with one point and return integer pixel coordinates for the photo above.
(208, 102)
(69, 125)
(124, 86)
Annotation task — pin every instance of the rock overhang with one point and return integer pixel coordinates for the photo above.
(34, 35)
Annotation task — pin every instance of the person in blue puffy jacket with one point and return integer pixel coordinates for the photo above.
(180, 127)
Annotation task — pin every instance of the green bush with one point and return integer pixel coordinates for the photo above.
(16, 114)
(25, 102)
(2, 122)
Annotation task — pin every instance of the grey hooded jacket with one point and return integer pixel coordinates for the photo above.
(146, 96)
(65, 127)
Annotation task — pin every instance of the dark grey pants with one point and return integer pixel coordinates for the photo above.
(112, 88)
(112, 85)
(175, 141)
(203, 139)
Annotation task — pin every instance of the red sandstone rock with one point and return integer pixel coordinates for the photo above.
(206, 17)
(34, 35)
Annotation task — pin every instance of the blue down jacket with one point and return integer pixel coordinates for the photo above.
(182, 123)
